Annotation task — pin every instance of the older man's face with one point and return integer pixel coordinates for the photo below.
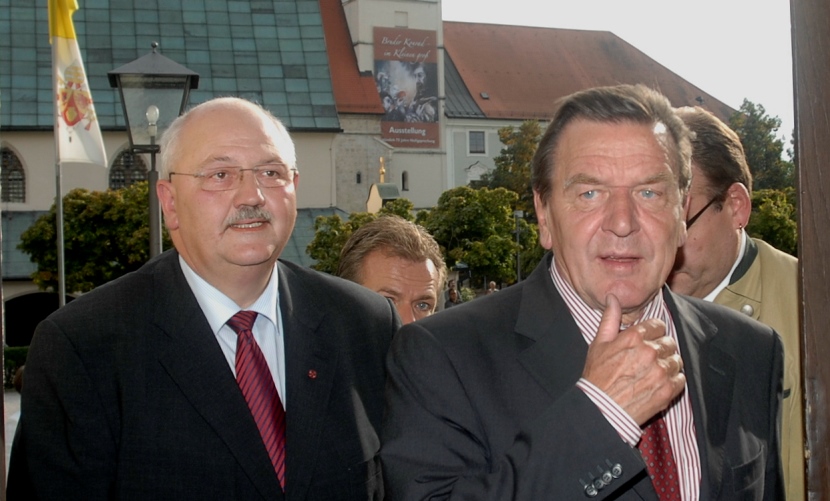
(614, 215)
(221, 233)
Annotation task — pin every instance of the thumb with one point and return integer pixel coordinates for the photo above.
(609, 325)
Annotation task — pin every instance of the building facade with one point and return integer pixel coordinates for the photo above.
(359, 83)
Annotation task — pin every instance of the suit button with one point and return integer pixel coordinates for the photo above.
(616, 469)
(607, 477)
(591, 489)
(747, 310)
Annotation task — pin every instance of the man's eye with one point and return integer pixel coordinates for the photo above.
(649, 194)
(272, 171)
(589, 195)
(422, 306)
(219, 175)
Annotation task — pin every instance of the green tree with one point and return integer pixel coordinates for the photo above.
(477, 227)
(512, 170)
(763, 148)
(106, 234)
(773, 219)
(331, 233)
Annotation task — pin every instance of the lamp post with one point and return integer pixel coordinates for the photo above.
(517, 214)
(154, 91)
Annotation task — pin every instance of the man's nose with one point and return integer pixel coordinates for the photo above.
(621, 215)
(406, 314)
(249, 192)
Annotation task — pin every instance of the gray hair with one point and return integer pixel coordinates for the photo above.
(169, 143)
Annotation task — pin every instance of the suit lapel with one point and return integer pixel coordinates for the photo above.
(557, 355)
(311, 364)
(196, 364)
(710, 378)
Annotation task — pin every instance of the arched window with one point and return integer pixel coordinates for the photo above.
(14, 178)
(127, 169)
(405, 181)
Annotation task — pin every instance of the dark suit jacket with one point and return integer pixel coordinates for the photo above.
(128, 396)
(482, 404)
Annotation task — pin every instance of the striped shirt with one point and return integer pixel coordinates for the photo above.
(678, 416)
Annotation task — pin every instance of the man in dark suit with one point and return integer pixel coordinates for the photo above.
(214, 371)
(590, 379)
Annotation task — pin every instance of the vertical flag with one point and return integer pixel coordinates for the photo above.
(77, 133)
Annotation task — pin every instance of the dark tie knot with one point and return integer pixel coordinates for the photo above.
(242, 321)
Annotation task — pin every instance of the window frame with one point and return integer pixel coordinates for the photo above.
(470, 142)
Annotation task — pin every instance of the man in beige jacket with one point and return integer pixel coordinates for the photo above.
(721, 263)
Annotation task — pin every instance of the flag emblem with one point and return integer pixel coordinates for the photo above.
(74, 99)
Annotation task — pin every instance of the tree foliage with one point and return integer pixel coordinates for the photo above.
(331, 232)
(763, 148)
(472, 226)
(512, 170)
(477, 228)
(773, 219)
(106, 234)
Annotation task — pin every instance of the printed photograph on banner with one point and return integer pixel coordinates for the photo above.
(406, 74)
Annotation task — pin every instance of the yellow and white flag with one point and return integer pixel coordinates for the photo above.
(77, 133)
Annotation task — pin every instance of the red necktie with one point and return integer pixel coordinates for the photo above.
(258, 388)
(660, 464)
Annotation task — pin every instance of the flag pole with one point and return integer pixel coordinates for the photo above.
(59, 225)
(58, 194)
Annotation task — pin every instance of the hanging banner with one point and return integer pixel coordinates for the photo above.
(406, 74)
(77, 132)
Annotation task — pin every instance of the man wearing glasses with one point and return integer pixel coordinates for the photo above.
(721, 263)
(215, 371)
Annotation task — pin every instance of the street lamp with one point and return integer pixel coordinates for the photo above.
(517, 214)
(154, 91)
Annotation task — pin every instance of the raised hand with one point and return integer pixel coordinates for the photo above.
(639, 368)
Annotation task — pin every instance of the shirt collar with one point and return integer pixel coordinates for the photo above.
(587, 318)
(219, 308)
(726, 280)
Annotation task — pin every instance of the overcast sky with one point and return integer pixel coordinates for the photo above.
(732, 49)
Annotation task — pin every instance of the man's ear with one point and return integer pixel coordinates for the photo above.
(167, 198)
(542, 216)
(740, 203)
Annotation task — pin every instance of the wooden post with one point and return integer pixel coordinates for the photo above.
(811, 71)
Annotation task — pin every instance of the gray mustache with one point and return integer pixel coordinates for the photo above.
(247, 213)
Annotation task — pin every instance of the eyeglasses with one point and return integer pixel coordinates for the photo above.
(691, 220)
(229, 178)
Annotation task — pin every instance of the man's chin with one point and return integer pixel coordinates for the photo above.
(258, 256)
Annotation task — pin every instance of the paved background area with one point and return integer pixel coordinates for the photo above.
(12, 414)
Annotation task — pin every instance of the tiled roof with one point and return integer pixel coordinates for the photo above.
(16, 263)
(271, 51)
(353, 92)
(524, 70)
(459, 103)
(303, 234)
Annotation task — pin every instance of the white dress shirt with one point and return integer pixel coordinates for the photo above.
(268, 333)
